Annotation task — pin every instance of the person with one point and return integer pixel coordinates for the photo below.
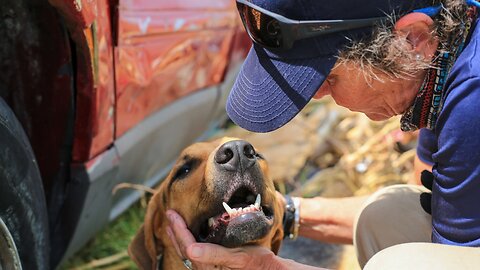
(418, 59)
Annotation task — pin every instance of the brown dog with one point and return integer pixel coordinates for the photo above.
(223, 192)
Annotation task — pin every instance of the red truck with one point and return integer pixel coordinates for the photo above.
(94, 93)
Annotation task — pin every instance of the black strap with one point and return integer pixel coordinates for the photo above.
(288, 217)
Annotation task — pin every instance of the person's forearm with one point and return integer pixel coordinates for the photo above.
(419, 166)
(329, 219)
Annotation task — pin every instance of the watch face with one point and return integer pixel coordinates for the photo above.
(290, 207)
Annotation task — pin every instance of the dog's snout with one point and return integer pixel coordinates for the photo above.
(234, 155)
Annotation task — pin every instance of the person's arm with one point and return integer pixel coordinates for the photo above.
(329, 219)
(427, 145)
(456, 189)
(419, 167)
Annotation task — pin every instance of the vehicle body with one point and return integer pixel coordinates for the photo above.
(109, 92)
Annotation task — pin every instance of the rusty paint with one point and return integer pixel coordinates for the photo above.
(78, 5)
(137, 25)
(167, 50)
(94, 126)
(77, 13)
(178, 5)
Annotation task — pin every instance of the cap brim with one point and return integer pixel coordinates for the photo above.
(269, 92)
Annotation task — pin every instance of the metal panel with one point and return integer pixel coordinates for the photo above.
(88, 202)
(167, 50)
(95, 99)
(143, 155)
(147, 150)
(94, 128)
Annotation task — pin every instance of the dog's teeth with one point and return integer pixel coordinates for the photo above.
(210, 222)
(258, 201)
(229, 210)
(233, 212)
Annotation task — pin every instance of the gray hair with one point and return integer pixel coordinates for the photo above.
(391, 54)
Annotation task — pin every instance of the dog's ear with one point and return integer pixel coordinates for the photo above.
(277, 241)
(145, 247)
(279, 233)
(137, 250)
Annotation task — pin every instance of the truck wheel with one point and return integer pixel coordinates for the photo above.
(24, 235)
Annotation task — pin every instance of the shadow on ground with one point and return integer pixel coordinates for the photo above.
(311, 252)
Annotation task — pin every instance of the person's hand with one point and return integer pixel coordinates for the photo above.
(426, 197)
(211, 256)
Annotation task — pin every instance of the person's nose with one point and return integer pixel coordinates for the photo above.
(324, 90)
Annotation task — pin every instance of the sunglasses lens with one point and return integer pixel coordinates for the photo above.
(263, 29)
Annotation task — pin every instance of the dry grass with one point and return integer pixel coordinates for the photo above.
(363, 155)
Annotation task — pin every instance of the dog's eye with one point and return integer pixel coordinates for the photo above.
(184, 170)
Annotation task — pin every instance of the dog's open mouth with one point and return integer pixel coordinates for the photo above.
(244, 220)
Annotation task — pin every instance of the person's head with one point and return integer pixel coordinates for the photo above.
(376, 69)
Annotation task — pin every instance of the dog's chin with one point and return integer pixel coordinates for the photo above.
(242, 230)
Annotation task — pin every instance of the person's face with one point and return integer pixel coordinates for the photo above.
(379, 98)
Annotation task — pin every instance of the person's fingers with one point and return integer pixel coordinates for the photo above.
(183, 236)
(218, 255)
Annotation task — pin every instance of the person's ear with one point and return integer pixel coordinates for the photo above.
(417, 27)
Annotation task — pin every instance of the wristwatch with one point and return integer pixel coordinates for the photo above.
(291, 218)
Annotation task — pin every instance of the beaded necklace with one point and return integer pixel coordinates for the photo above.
(428, 103)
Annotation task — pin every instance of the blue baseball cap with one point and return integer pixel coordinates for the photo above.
(273, 85)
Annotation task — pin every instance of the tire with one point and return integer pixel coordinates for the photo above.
(24, 235)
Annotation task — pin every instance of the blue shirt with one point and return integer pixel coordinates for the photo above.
(453, 148)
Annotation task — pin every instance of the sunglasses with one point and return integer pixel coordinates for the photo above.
(274, 31)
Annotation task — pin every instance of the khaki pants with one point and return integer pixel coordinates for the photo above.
(393, 232)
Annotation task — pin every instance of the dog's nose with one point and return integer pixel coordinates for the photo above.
(234, 155)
